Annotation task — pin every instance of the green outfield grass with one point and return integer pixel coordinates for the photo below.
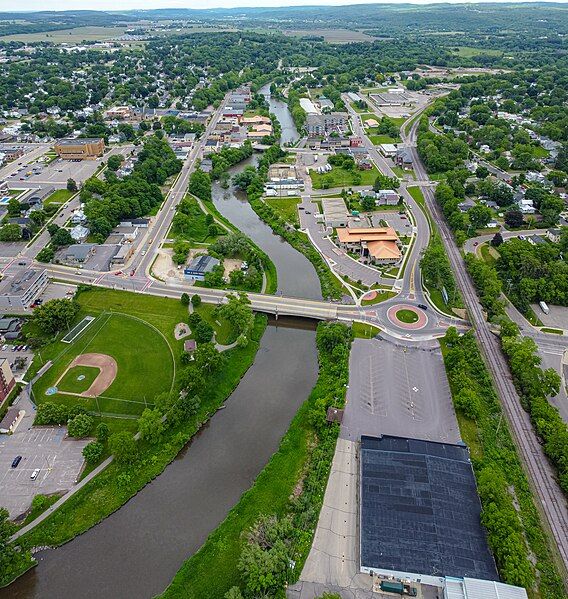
(71, 382)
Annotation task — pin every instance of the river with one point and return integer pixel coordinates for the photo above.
(137, 550)
(280, 110)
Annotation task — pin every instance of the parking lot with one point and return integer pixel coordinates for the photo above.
(59, 460)
(398, 390)
(400, 223)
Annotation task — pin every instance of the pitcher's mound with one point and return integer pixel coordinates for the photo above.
(107, 372)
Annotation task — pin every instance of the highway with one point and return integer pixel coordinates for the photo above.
(551, 499)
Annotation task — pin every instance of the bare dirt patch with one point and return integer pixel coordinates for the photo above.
(230, 264)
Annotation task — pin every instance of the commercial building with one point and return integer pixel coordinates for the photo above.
(375, 245)
(392, 97)
(388, 150)
(124, 253)
(11, 153)
(80, 149)
(323, 124)
(10, 327)
(78, 253)
(11, 420)
(335, 213)
(420, 512)
(7, 380)
(19, 291)
(199, 267)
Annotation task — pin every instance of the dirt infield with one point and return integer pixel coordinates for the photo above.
(108, 370)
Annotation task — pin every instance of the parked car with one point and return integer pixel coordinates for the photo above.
(16, 461)
(4, 347)
(34, 474)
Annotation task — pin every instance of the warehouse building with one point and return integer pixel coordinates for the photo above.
(80, 149)
(420, 512)
(335, 213)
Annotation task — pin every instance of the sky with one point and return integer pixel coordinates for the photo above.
(23, 5)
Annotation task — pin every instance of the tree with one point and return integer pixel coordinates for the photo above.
(71, 185)
(196, 300)
(14, 207)
(123, 446)
(10, 232)
(150, 425)
(191, 379)
(233, 593)
(80, 426)
(238, 312)
(184, 299)
(368, 203)
(468, 402)
(514, 219)
(45, 255)
(93, 452)
(479, 215)
(208, 358)
(482, 172)
(203, 332)
(55, 315)
(61, 238)
(102, 432)
(114, 162)
(497, 240)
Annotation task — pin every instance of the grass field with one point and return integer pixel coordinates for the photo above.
(469, 52)
(408, 316)
(72, 382)
(332, 36)
(59, 197)
(364, 331)
(382, 139)
(339, 177)
(287, 208)
(144, 358)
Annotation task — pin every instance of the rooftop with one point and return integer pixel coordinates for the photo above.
(420, 512)
(352, 235)
(79, 141)
(20, 282)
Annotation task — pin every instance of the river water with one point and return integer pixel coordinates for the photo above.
(136, 551)
(280, 109)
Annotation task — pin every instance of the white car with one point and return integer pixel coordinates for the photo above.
(34, 474)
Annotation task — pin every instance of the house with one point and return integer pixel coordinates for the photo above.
(9, 423)
(19, 290)
(39, 195)
(466, 205)
(199, 267)
(10, 327)
(388, 197)
(536, 240)
(129, 233)
(78, 253)
(404, 158)
(7, 380)
(378, 245)
(79, 233)
(554, 235)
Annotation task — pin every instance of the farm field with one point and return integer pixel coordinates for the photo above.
(70, 36)
(333, 36)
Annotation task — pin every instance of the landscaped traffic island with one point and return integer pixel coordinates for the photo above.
(407, 316)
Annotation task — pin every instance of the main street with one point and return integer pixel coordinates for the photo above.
(552, 502)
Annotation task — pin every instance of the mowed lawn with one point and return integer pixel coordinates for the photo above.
(287, 208)
(339, 177)
(78, 379)
(144, 359)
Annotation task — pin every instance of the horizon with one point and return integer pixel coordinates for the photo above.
(133, 5)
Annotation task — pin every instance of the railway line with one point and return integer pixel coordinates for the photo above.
(551, 499)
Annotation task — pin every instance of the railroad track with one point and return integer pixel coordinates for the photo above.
(542, 477)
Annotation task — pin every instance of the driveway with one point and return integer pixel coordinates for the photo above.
(46, 448)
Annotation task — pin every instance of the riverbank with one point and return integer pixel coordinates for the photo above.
(120, 482)
(291, 485)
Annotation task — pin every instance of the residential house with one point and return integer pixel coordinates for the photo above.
(554, 235)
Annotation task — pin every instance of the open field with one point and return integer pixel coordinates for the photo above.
(287, 208)
(59, 197)
(469, 52)
(333, 36)
(339, 177)
(69, 36)
(145, 366)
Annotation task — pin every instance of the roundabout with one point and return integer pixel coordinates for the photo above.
(406, 316)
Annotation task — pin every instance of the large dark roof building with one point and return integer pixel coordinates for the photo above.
(420, 512)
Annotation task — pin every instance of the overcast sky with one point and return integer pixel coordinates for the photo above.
(10, 5)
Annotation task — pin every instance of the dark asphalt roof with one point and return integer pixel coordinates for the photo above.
(420, 512)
